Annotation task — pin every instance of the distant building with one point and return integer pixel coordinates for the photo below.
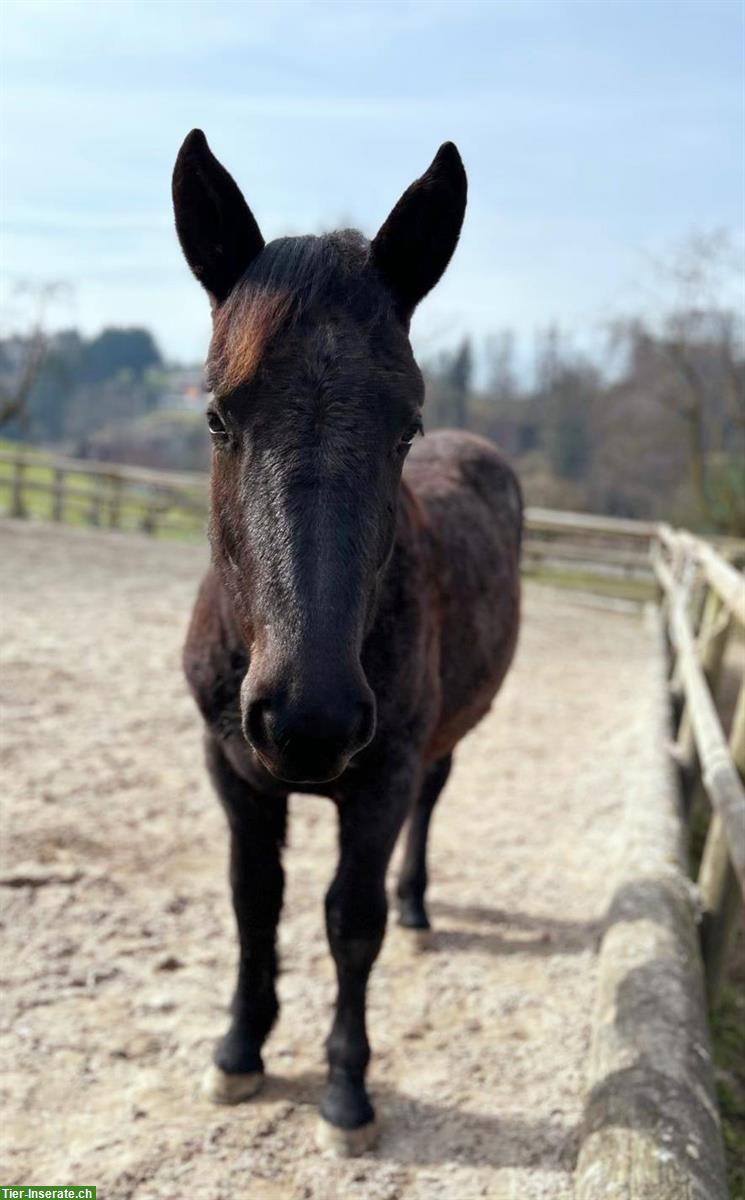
(183, 389)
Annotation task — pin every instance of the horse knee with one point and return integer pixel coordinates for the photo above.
(356, 920)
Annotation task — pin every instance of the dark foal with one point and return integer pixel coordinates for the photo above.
(354, 624)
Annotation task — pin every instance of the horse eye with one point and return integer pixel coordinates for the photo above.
(215, 424)
(408, 437)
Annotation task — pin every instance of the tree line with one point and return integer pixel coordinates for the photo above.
(650, 425)
(61, 387)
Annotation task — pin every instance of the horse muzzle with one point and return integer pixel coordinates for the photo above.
(308, 743)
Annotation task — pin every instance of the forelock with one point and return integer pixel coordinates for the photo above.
(289, 279)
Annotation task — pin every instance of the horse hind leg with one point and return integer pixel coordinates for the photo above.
(412, 881)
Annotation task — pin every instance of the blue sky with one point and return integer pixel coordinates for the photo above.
(594, 134)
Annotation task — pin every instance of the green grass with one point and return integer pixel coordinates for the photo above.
(727, 1025)
(728, 1032)
(698, 828)
(622, 587)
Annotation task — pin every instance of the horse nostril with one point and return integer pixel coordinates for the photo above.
(366, 725)
(257, 724)
(309, 741)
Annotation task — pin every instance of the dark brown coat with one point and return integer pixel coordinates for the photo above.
(359, 617)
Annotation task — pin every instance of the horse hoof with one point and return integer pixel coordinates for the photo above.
(345, 1143)
(423, 939)
(412, 915)
(221, 1088)
(419, 939)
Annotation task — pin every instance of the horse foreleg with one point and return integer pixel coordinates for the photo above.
(356, 910)
(257, 827)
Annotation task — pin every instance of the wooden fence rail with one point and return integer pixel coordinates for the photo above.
(712, 766)
(557, 545)
(610, 551)
(651, 1127)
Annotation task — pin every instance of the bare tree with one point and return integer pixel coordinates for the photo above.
(500, 357)
(692, 362)
(31, 344)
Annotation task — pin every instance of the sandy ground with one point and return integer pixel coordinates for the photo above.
(118, 940)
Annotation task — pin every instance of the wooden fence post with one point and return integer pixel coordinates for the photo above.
(58, 494)
(712, 642)
(149, 523)
(17, 507)
(720, 891)
(699, 595)
(95, 510)
(115, 504)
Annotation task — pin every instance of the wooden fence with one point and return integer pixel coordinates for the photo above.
(651, 1125)
(77, 491)
(610, 551)
(610, 554)
(558, 545)
(703, 599)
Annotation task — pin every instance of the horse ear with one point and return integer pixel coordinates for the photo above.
(416, 243)
(216, 228)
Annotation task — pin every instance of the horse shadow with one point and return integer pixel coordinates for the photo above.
(420, 1133)
(544, 936)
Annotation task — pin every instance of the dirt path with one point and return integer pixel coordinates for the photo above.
(118, 940)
